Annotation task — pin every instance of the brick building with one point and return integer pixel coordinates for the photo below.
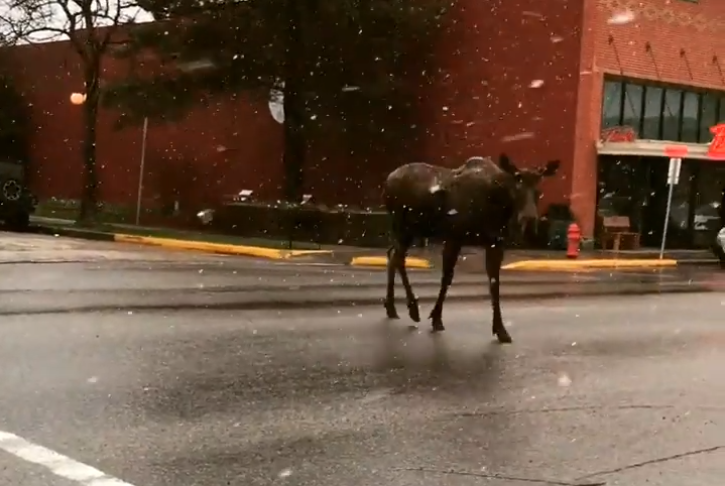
(660, 73)
(539, 80)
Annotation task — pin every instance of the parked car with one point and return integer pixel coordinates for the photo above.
(17, 203)
(719, 247)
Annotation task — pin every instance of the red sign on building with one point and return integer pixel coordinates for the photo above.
(717, 146)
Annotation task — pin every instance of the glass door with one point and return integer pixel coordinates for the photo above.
(679, 231)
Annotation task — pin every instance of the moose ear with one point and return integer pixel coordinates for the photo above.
(551, 168)
(506, 165)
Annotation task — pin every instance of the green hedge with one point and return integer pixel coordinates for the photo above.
(324, 226)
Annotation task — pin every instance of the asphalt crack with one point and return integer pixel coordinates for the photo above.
(650, 462)
(501, 477)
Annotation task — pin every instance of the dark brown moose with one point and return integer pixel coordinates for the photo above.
(472, 205)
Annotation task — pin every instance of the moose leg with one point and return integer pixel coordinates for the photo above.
(523, 228)
(451, 250)
(399, 258)
(389, 302)
(494, 259)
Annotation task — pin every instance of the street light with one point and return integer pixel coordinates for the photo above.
(142, 165)
(77, 98)
(80, 98)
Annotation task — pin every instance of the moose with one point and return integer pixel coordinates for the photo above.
(472, 205)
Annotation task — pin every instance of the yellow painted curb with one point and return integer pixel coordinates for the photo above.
(377, 261)
(254, 251)
(588, 264)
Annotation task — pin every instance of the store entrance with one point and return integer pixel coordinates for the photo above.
(679, 230)
(636, 187)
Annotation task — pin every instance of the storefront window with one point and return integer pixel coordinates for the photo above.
(652, 113)
(708, 117)
(721, 111)
(690, 111)
(633, 94)
(662, 113)
(612, 105)
(671, 118)
(707, 201)
(680, 211)
(621, 188)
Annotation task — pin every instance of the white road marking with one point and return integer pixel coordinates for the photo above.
(58, 464)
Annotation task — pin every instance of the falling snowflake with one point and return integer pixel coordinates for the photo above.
(529, 13)
(519, 136)
(564, 380)
(536, 83)
(621, 18)
(285, 473)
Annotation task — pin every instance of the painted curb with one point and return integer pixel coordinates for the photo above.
(362, 261)
(220, 248)
(589, 264)
(378, 261)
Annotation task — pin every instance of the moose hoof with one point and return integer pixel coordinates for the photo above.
(503, 336)
(437, 325)
(413, 311)
(390, 310)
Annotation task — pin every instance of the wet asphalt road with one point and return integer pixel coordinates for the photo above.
(215, 393)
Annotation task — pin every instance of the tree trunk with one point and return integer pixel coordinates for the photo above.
(294, 109)
(89, 196)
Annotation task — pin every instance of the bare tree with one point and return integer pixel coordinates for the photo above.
(90, 26)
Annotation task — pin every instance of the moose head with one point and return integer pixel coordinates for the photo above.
(526, 184)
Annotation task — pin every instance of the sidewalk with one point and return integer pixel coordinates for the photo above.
(471, 260)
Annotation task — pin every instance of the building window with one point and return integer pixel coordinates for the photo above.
(612, 106)
(690, 112)
(708, 117)
(708, 194)
(652, 113)
(620, 187)
(662, 113)
(721, 111)
(672, 115)
(632, 113)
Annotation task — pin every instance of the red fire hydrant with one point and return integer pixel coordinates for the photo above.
(573, 240)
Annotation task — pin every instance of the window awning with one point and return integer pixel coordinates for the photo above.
(653, 148)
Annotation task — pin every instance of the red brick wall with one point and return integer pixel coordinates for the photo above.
(683, 37)
(495, 49)
(669, 26)
(488, 59)
(183, 160)
(584, 174)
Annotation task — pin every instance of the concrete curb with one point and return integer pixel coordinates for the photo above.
(176, 244)
(586, 264)
(698, 261)
(378, 261)
(355, 261)
(220, 248)
(83, 234)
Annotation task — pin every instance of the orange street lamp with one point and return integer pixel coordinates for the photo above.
(77, 98)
